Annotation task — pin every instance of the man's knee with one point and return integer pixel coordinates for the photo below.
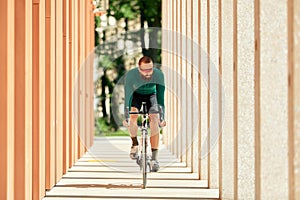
(133, 118)
(153, 118)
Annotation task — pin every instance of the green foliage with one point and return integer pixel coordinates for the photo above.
(152, 11)
(104, 128)
(106, 62)
(123, 9)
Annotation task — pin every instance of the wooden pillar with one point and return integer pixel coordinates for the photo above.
(23, 100)
(59, 89)
(7, 16)
(87, 65)
(50, 94)
(71, 51)
(296, 121)
(75, 78)
(38, 97)
(66, 88)
(294, 98)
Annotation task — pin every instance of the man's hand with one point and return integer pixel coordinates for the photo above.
(163, 123)
(126, 123)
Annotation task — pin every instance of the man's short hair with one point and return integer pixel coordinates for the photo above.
(145, 59)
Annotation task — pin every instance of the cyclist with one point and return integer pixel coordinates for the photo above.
(145, 83)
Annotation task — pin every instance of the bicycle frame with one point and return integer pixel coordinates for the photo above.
(145, 162)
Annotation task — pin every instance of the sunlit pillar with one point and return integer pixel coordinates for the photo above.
(294, 99)
(213, 98)
(227, 171)
(23, 100)
(7, 12)
(245, 100)
(38, 103)
(273, 122)
(204, 90)
(50, 93)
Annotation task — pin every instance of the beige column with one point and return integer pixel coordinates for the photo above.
(164, 56)
(197, 61)
(227, 170)
(214, 73)
(245, 100)
(184, 83)
(167, 75)
(188, 79)
(204, 91)
(176, 80)
(221, 98)
(195, 88)
(23, 100)
(38, 110)
(172, 83)
(274, 90)
(170, 65)
(7, 52)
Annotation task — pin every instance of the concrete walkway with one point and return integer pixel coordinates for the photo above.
(106, 172)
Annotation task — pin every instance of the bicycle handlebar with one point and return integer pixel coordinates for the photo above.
(160, 112)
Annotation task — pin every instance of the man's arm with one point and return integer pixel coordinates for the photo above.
(128, 90)
(160, 89)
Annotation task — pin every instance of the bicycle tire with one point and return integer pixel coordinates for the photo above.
(144, 159)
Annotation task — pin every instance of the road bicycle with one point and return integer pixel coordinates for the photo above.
(143, 159)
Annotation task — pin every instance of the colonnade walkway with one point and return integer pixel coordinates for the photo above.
(106, 172)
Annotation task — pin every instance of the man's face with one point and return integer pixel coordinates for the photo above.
(146, 70)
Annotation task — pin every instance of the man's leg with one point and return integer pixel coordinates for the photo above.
(133, 129)
(154, 140)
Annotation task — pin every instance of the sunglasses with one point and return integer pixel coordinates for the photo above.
(146, 70)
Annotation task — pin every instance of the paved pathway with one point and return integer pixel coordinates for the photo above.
(106, 172)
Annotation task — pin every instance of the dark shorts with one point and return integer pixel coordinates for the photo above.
(151, 102)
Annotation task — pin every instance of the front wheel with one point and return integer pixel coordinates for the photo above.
(144, 160)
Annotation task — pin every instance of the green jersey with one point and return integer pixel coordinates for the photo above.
(135, 83)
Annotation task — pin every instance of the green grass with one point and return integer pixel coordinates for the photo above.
(112, 133)
(103, 128)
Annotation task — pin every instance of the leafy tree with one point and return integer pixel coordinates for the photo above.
(148, 11)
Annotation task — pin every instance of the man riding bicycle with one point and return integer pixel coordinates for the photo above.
(145, 83)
